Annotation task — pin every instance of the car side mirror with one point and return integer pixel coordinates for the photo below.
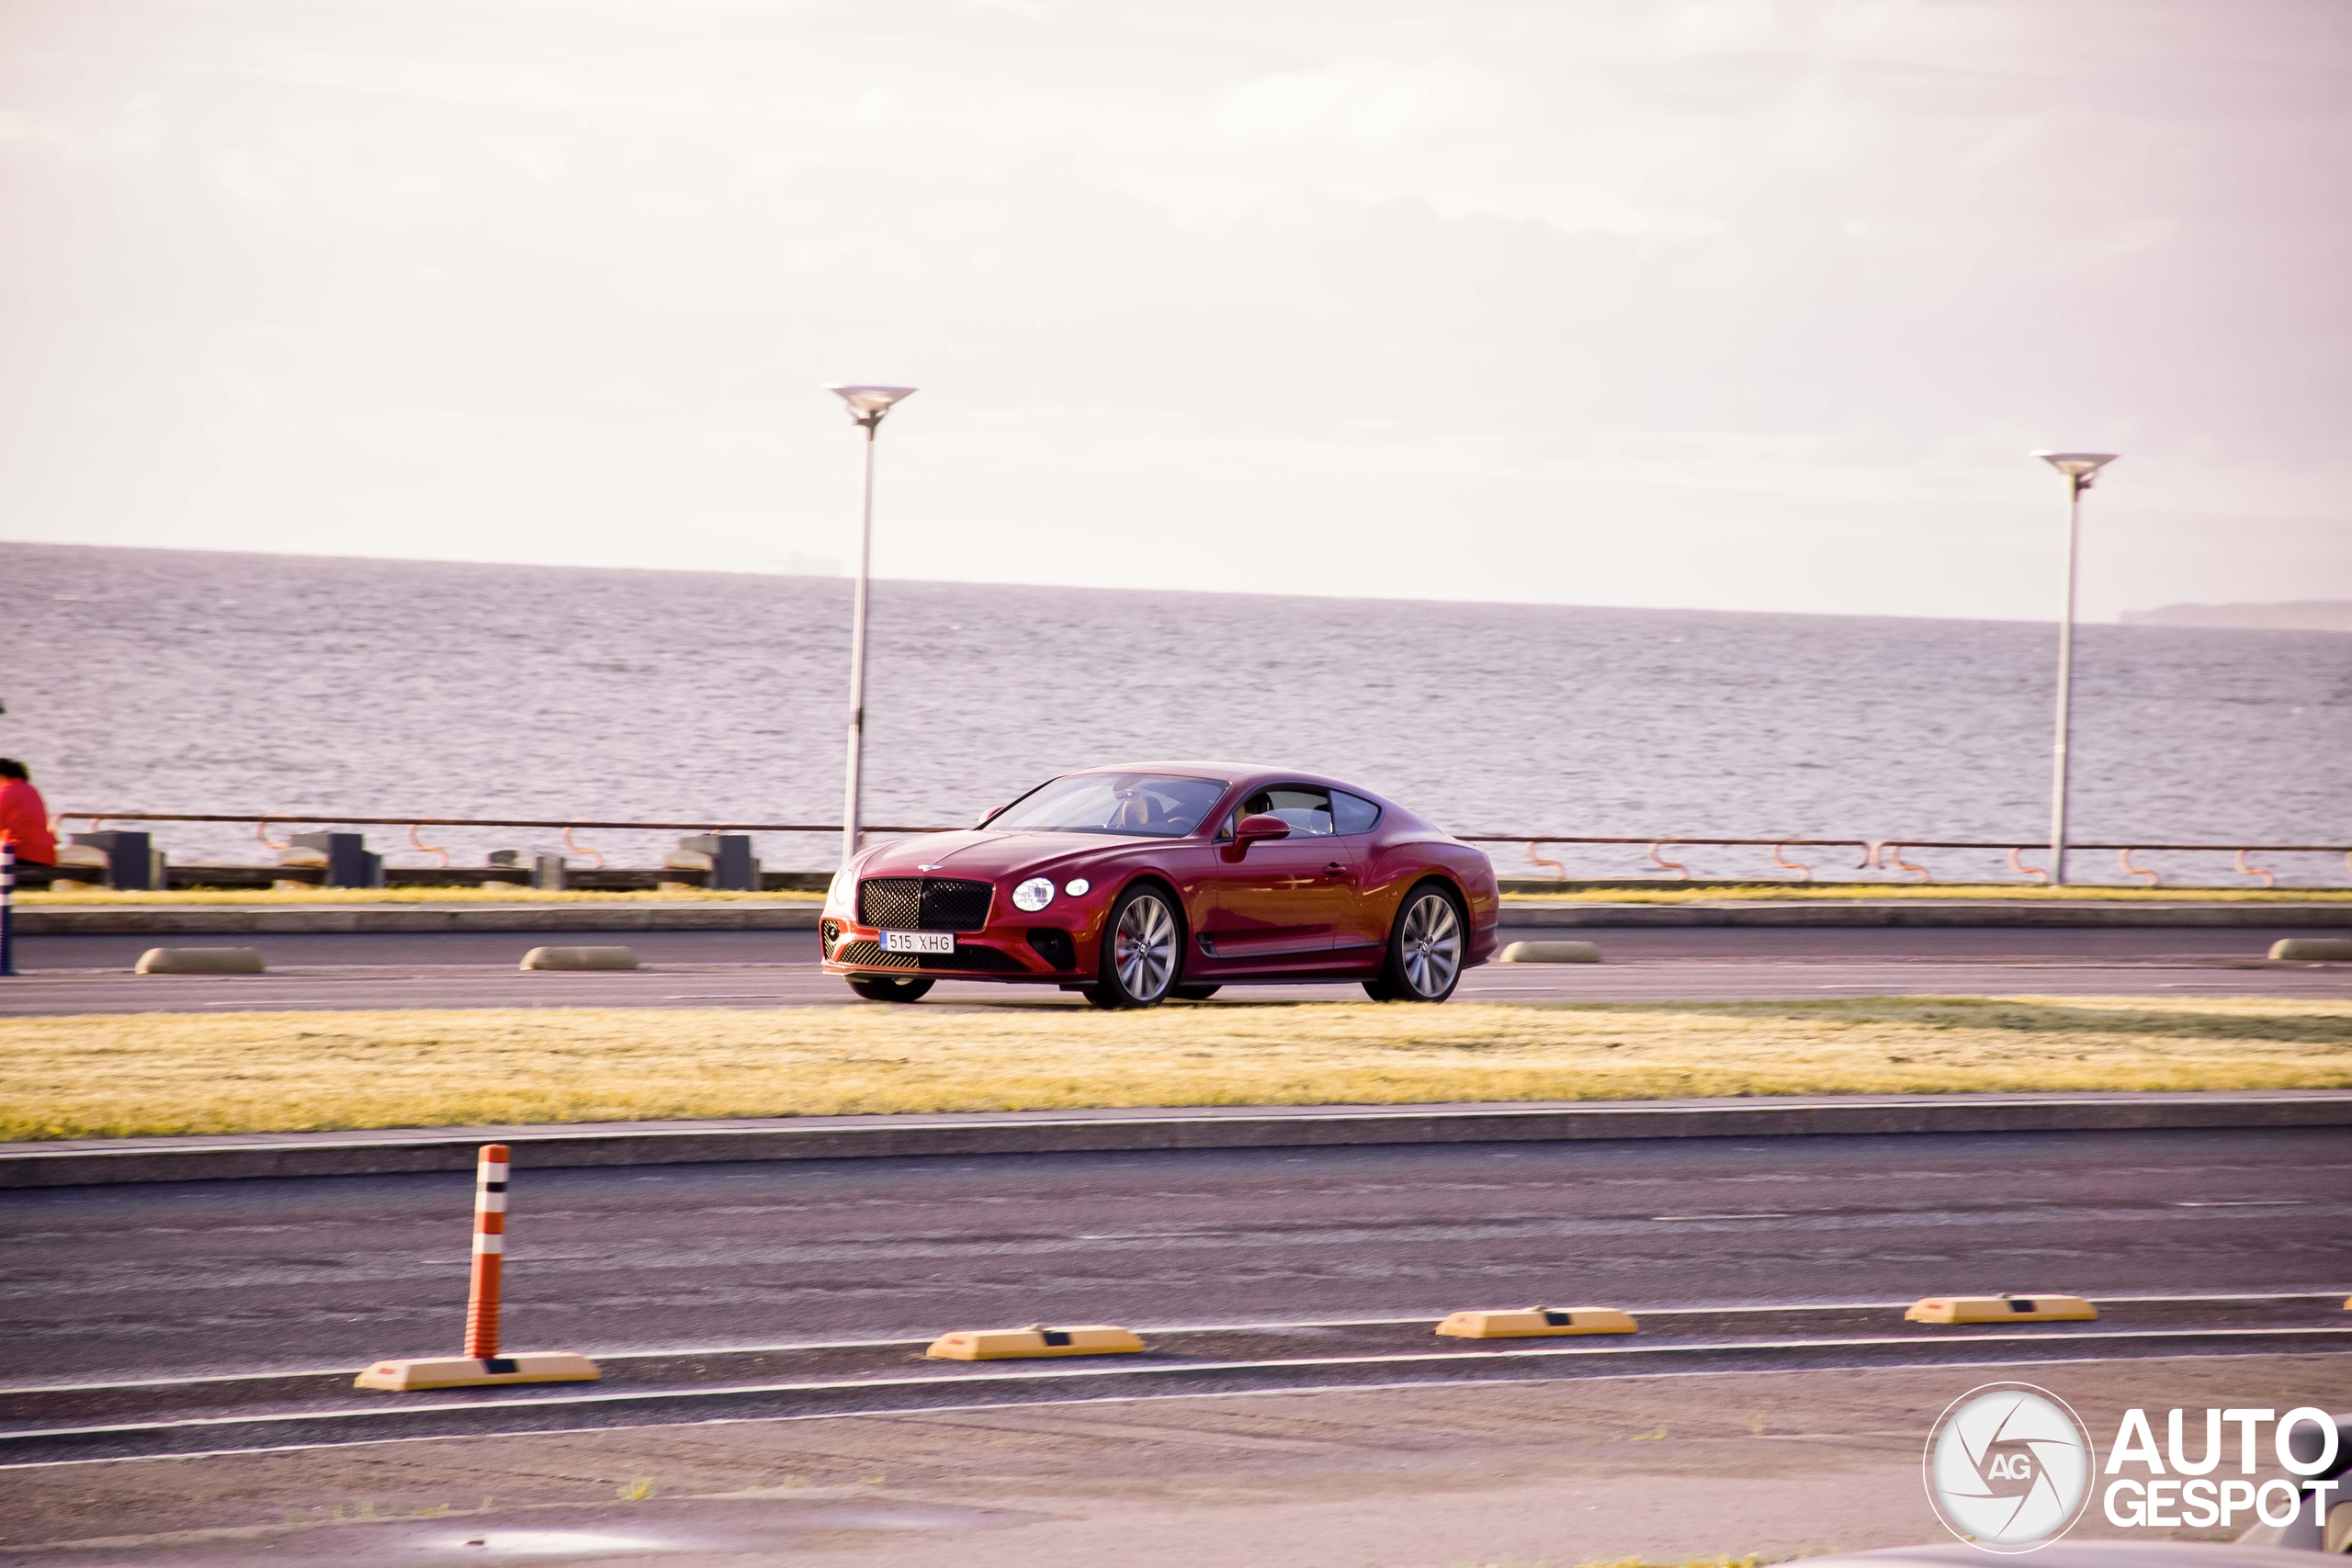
(1250, 830)
(990, 815)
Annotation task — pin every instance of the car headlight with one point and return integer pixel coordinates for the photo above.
(1077, 887)
(1033, 895)
(837, 893)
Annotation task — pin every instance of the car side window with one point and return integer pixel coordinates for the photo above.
(1306, 807)
(1354, 813)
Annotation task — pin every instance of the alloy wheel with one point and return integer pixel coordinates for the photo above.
(1430, 944)
(1143, 950)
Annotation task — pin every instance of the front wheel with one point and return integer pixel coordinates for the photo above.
(1141, 943)
(1425, 948)
(891, 987)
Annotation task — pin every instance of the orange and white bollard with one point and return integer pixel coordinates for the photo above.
(489, 1252)
(482, 1363)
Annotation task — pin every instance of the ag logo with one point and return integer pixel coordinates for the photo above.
(2009, 1467)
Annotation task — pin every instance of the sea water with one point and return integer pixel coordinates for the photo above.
(169, 681)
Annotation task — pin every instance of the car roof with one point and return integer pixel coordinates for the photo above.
(1229, 773)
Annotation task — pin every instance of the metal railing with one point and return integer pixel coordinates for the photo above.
(416, 824)
(263, 820)
(1888, 854)
(1876, 854)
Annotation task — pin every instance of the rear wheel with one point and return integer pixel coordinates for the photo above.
(1142, 943)
(1425, 949)
(1193, 993)
(891, 987)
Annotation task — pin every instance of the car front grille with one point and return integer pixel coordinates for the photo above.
(970, 960)
(923, 904)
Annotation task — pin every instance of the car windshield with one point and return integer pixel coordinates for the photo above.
(1151, 805)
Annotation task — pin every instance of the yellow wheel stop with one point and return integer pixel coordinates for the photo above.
(1006, 1344)
(1528, 1322)
(467, 1372)
(2002, 1309)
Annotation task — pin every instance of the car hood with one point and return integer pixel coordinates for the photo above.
(979, 853)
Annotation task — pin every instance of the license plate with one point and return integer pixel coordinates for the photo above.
(917, 942)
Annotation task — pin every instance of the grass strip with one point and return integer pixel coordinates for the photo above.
(108, 1076)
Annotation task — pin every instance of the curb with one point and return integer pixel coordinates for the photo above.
(231, 920)
(1921, 912)
(891, 1139)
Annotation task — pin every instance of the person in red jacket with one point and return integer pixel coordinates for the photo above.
(24, 816)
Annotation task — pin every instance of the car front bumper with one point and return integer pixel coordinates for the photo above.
(1028, 952)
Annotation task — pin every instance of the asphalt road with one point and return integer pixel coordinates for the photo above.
(145, 1281)
(1964, 943)
(68, 975)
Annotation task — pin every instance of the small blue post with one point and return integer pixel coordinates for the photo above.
(7, 904)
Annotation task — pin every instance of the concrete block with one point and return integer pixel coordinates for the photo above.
(345, 857)
(581, 958)
(540, 870)
(1552, 953)
(129, 857)
(727, 858)
(201, 961)
(2314, 949)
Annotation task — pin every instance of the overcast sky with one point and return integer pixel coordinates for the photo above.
(1737, 305)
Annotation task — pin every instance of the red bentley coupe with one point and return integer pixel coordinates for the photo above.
(1152, 880)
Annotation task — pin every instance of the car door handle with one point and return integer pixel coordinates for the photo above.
(1335, 869)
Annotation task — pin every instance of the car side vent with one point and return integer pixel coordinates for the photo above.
(1054, 947)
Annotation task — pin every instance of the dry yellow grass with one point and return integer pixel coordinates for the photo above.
(164, 1073)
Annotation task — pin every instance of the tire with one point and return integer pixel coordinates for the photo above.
(1425, 948)
(1143, 950)
(1193, 993)
(891, 987)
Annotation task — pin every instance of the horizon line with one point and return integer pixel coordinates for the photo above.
(846, 578)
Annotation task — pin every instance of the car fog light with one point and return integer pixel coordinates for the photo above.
(1076, 887)
(1033, 895)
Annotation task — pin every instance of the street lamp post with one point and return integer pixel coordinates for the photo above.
(2080, 468)
(868, 405)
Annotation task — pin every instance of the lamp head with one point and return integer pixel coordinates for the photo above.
(868, 404)
(2080, 468)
